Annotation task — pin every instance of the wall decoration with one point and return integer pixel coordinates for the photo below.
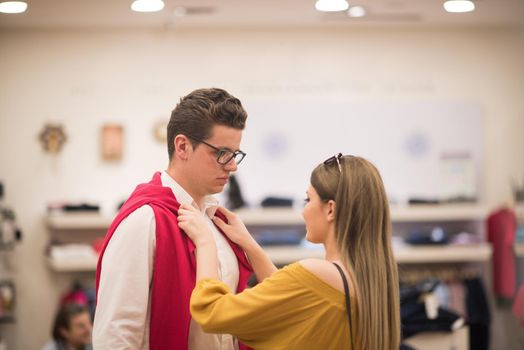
(52, 138)
(417, 144)
(275, 145)
(7, 299)
(112, 142)
(458, 177)
(160, 131)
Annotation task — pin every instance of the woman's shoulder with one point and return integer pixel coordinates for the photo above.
(323, 270)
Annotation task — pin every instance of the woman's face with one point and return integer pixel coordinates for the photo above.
(315, 216)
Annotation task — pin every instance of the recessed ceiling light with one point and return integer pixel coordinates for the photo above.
(331, 5)
(459, 6)
(147, 5)
(356, 11)
(13, 6)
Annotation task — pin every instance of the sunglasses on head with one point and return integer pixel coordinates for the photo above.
(334, 159)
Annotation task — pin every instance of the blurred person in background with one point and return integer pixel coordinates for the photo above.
(71, 329)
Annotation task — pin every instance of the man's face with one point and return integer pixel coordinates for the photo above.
(79, 332)
(207, 175)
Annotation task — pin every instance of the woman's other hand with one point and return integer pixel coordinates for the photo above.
(234, 229)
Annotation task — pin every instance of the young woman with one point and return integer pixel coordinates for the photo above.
(303, 305)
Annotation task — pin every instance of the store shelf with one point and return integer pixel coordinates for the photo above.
(456, 340)
(447, 212)
(271, 216)
(404, 254)
(73, 265)
(419, 213)
(443, 254)
(288, 216)
(78, 221)
(281, 255)
(519, 249)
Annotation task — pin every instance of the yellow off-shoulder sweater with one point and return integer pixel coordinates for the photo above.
(292, 309)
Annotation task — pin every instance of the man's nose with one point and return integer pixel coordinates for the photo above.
(231, 166)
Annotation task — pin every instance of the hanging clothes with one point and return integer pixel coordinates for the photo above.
(414, 312)
(501, 227)
(479, 317)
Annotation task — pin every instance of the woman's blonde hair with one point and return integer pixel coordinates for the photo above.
(363, 236)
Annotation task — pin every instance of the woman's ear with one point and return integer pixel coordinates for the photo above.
(330, 210)
(182, 146)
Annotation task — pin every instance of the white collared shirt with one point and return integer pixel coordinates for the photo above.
(124, 300)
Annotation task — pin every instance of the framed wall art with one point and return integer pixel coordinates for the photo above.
(112, 142)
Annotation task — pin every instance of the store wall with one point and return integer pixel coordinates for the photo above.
(84, 79)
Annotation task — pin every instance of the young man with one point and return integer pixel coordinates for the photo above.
(146, 271)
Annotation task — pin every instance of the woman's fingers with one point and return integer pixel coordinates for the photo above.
(225, 210)
(227, 213)
(220, 223)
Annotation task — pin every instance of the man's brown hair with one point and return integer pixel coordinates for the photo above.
(197, 113)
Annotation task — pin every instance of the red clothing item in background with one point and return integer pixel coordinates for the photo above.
(502, 227)
(174, 269)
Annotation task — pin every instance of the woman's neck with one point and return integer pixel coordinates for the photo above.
(332, 252)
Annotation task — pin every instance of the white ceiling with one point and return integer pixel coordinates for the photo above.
(261, 13)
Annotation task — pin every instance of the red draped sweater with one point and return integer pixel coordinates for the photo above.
(174, 269)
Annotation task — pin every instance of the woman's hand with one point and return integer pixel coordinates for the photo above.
(194, 224)
(235, 229)
(238, 233)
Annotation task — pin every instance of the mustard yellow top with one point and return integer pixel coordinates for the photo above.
(292, 309)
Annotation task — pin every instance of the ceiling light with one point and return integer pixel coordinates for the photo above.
(459, 6)
(356, 11)
(331, 5)
(147, 5)
(13, 6)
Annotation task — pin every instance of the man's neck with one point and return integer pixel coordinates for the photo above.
(181, 180)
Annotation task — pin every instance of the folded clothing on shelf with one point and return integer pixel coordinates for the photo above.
(72, 252)
(279, 237)
(73, 207)
(269, 202)
(437, 235)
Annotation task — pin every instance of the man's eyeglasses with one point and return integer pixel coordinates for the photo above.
(332, 160)
(224, 155)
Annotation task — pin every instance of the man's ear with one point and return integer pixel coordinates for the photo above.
(183, 147)
(331, 207)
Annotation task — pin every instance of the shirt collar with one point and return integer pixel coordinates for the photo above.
(210, 202)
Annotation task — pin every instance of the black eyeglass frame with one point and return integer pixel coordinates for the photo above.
(223, 151)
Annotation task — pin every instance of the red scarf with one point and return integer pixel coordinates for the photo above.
(174, 271)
